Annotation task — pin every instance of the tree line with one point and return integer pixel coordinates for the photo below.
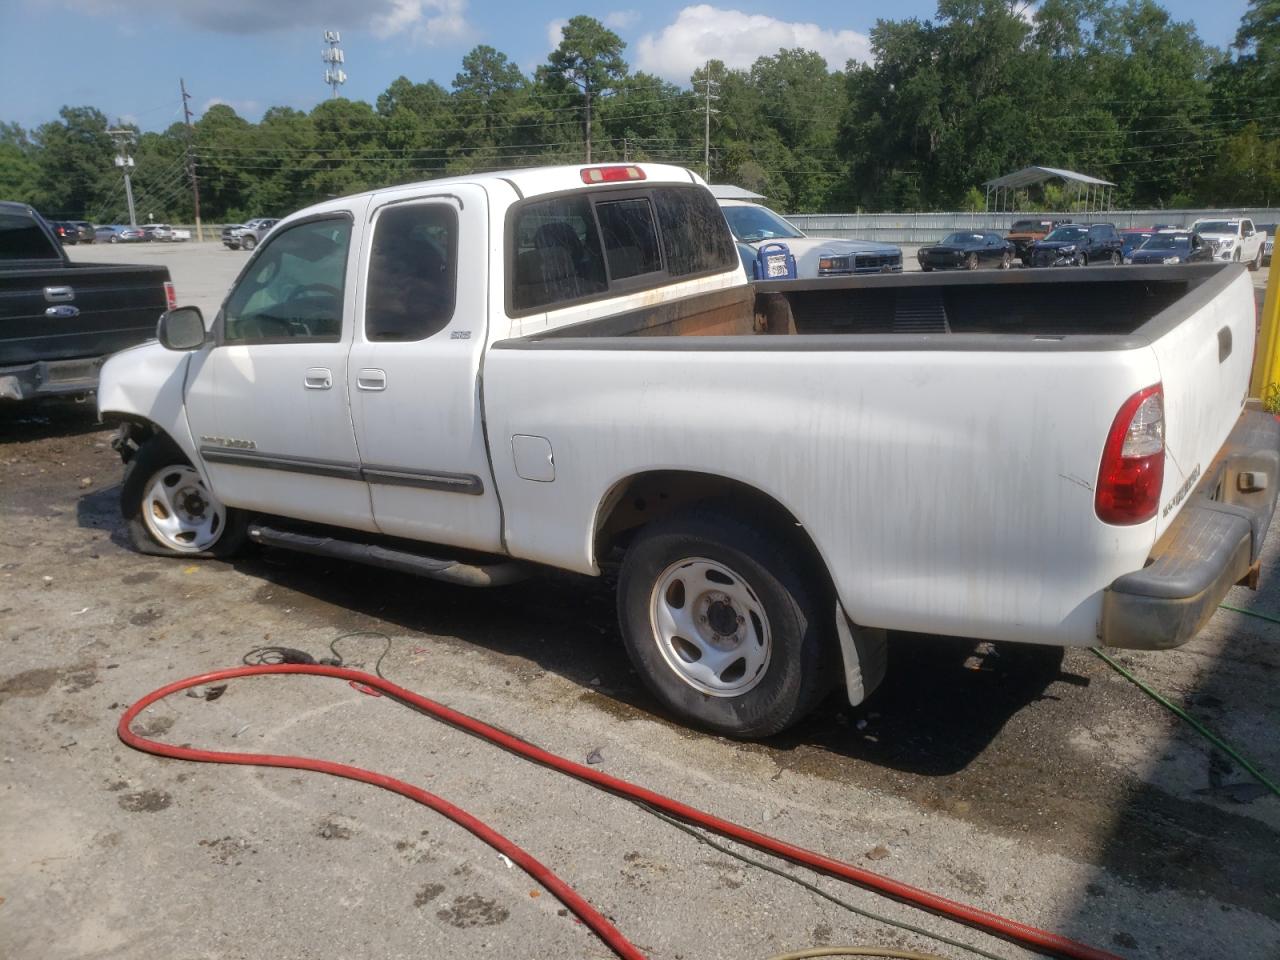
(1112, 88)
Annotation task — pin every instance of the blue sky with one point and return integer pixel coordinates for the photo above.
(125, 56)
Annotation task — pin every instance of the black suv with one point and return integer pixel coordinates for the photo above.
(1078, 245)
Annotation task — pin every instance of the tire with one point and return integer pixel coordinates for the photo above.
(168, 510)
(1006, 260)
(1236, 257)
(1084, 259)
(1256, 262)
(971, 262)
(754, 581)
(114, 238)
(926, 268)
(248, 243)
(1116, 259)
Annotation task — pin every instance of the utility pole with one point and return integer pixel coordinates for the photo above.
(710, 86)
(191, 160)
(123, 138)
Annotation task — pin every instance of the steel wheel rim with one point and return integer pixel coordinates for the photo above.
(180, 512)
(710, 627)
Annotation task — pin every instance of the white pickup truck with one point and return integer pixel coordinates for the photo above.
(1236, 240)
(472, 378)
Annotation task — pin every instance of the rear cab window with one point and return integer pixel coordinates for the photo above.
(578, 247)
(22, 239)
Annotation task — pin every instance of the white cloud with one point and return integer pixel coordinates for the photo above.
(555, 33)
(425, 21)
(621, 19)
(703, 32)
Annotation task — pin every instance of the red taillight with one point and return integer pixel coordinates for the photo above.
(611, 174)
(1132, 472)
(170, 296)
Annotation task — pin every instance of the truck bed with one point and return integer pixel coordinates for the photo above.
(1078, 309)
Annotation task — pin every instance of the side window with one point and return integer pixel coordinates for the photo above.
(693, 231)
(630, 237)
(558, 257)
(1246, 227)
(293, 289)
(412, 272)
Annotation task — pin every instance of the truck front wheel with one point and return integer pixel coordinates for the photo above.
(168, 510)
(248, 242)
(727, 624)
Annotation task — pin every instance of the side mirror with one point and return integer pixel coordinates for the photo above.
(181, 328)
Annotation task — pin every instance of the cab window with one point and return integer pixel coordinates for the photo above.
(292, 290)
(412, 272)
(557, 256)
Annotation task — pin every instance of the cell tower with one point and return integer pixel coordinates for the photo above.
(332, 55)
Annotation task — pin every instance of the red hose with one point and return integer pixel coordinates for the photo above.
(1041, 941)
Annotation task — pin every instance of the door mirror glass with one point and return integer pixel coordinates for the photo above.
(181, 328)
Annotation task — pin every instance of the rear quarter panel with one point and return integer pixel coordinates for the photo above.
(948, 492)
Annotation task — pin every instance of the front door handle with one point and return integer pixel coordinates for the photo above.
(317, 378)
(371, 378)
(59, 294)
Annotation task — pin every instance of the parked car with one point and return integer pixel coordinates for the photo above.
(1027, 231)
(1132, 239)
(967, 250)
(753, 225)
(1172, 246)
(84, 230)
(1078, 245)
(158, 231)
(780, 494)
(120, 234)
(1235, 240)
(180, 234)
(59, 319)
(66, 233)
(1269, 244)
(247, 235)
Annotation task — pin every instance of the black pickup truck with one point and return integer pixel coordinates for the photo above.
(59, 320)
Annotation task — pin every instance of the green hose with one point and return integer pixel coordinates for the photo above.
(1250, 613)
(1200, 727)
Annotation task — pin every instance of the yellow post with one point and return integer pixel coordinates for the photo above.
(1266, 363)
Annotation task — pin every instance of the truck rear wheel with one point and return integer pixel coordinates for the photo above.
(168, 510)
(727, 624)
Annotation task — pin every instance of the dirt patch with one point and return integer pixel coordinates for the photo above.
(428, 893)
(29, 683)
(330, 829)
(155, 727)
(145, 617)
(146, 801)
(133, 579)
(473, 910)
(227, 851)
(80, 679)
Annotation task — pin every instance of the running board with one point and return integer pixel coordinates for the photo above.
(434, 568)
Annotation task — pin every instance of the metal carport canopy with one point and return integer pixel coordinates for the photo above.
(1029, 175)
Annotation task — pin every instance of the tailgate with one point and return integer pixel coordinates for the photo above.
(103, 309)
(1205, 361)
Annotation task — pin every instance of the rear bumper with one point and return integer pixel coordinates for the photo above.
(1212, 545)
(48, 378)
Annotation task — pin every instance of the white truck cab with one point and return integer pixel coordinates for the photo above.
(476, 378)
(1235, 240)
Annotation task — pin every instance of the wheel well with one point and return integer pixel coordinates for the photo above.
(132, 431)
(641, 499)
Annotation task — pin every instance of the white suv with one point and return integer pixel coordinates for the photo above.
(1235, 240)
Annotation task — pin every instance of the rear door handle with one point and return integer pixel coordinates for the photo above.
(59, 294)
(318, 378)
(371, 378)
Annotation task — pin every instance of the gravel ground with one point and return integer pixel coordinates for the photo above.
(1029, 781)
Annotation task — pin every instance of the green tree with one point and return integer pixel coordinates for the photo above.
(75, 160)
(589, 61)
(19, 168)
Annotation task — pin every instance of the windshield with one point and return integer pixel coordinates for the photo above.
(1168, 242)
(753, 223)
(960, 239)
(1030, 226)
(1067, 233)
(1216, 226)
